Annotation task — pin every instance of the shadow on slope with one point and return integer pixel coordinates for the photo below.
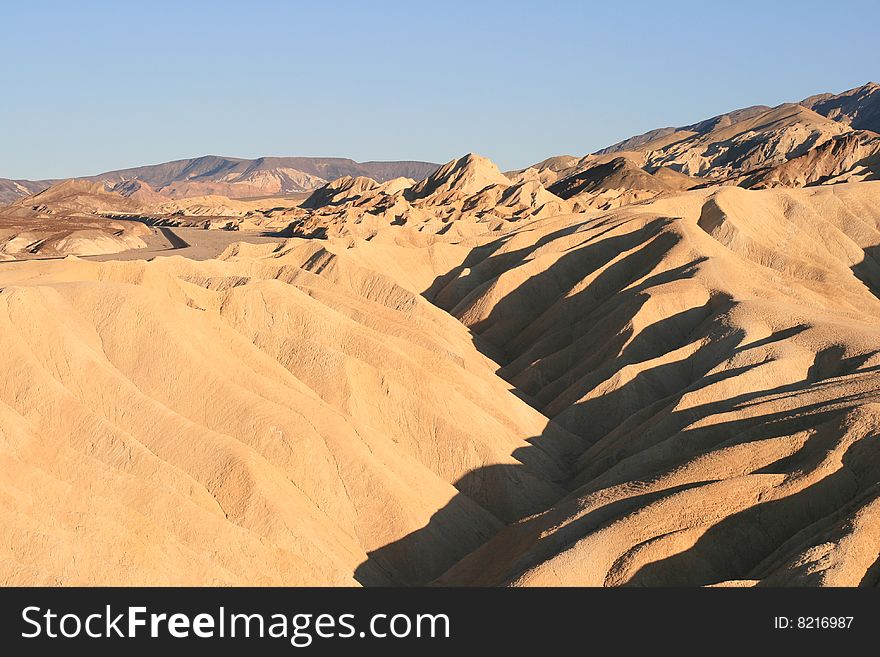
(403, 562)
(583, 338)
(748, 544)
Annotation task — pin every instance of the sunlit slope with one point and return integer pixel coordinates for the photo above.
(719, 352)
(267, 419)
(681, 391)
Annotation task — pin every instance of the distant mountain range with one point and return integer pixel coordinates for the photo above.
(823, 138)
(236, 177)
(12, 190)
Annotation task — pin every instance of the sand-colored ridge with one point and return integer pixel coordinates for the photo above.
(722, 364)
(468, 175)
(285, 418)
(463, 199)
(698, 368)
(657, 364)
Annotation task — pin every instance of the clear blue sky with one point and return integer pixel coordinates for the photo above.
(93, 86)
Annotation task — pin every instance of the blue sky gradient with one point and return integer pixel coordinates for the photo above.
(94, 86)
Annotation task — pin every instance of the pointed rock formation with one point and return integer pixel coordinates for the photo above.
(456, 179)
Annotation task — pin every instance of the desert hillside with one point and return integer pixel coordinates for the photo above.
(717, 351)
(657, 364)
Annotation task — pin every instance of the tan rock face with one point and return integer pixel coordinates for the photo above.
(699, 372)
(464, 198)
(654, 365)
(718, 351)
(850, 157)
(747, 146)
(261, 419)
(858, 108)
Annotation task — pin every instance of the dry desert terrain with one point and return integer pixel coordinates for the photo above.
(656, 364)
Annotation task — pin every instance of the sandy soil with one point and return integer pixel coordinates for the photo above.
(657, 365)
(677, 392)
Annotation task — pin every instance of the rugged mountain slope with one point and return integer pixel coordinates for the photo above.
(661, 137)
(849, 157)
(339, 191)
(618, 182)
(730, 150)
(858, 108)
(463, 198)
(719, 352)
(468, 175)
(823, 138)
(12, 190)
